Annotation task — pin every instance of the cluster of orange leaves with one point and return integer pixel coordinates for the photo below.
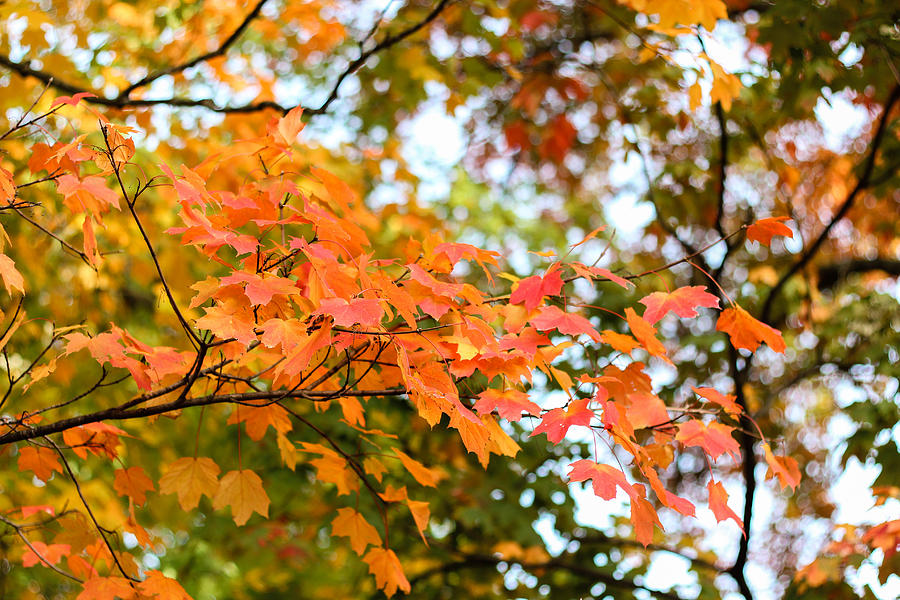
(303, 288)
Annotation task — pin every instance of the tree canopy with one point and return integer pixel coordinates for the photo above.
(484, 299)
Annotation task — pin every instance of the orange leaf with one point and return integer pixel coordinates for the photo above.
(421, 514)
(763, 230)
(41, 553)
(157, 585)
(349, 523)
(619, 341)
(716, 397)
(715, 439)
(388, 571)
(718, 503)
(190, 478)
(107, 588)
(41, 461)
(784, 468)
(683, 302)
(645, 334)
(134, 483)
(532, 290)
(420, 472)
(12, 279)
(643, 516)
(243, 491)
(747, 332)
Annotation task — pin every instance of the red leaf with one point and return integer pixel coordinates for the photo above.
(747, 332)
(532, 290)
(72, 100)
(683, 302)
(555, 423)
(509, 404)
(551, 317)
(718, 503)
(604, 478)
(763, 230)
(715, 439)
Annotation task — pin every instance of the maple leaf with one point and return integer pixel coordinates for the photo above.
(598, 273)
(12, 279)
(556, 422)
(784, 468)
(243, 491)
(747, 332)
(190, 478)
(157, 585)
(604, 478)
(725, 401)
(643, 516)
(645, 334)
(388, 571)
(350, 523)
(421, 513)
(551, 317)
(715, 438)
(510, 404)
(107, 588)
(40, 461)
(346, 313)
(72, 100)
(134, 483)
(420, 472)
(763, 230)
(619, 341)
(44, 554)
(257, 419)
(532, 290)
(718, 503)
(683, 302)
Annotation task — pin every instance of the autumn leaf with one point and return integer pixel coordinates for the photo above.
(763, 230)
(12, 279)
(556, 422)
(41, 554)
(747, 332)
(350, 523)
(388, 572)
(532, 290)
(243, 491)
(714, 438)
(718, 503)
(725, 401)
(551, 317)
(619, 341)
(645, 334)
(158, 586)
(190, 478)
(784, 468)
(107, 588)
(346, 313)
(420, 472)
(643, 516)
(510, 404)
(134, 483)
(40, 461)
(604, 478)
(683, 302)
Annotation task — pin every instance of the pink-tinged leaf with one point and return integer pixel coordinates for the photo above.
(715, 439)
(718, 503)
(556, 422)
(763, 230)
(682, 505)
(509, 404)
(72, 100)
(683, 302)
(532, 290)
(441, 288)
(551, 317)
(725, 401)
(784, 468)
(747, 332)
(89, 194)
(604, 478)
(363, 311)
